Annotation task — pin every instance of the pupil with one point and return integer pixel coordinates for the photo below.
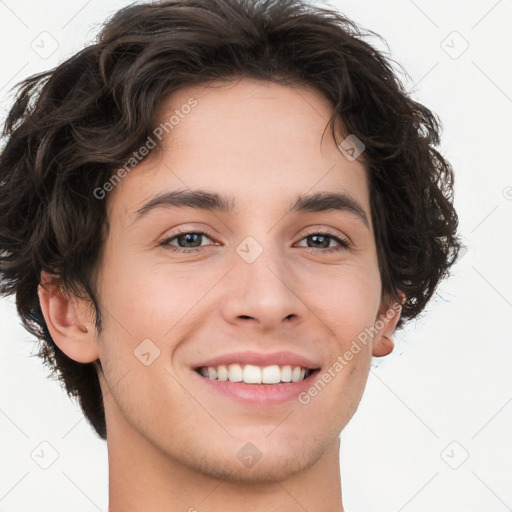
(187, 238)
(325, 238)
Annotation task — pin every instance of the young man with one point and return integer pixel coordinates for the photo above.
(213, 218)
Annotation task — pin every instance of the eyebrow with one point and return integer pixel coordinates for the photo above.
(211, 201)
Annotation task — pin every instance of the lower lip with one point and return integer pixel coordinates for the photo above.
(260, 394)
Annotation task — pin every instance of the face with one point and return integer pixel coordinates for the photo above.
(257, 276)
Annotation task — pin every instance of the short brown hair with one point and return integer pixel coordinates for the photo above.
(70, 128)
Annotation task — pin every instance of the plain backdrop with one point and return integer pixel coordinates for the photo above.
(433, 431)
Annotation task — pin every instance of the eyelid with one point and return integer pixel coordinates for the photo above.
(315, 230)
(188, 229)
(201, 231)
(342, 240)
(326, 231)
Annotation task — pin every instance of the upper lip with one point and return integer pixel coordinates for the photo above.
(261, 359)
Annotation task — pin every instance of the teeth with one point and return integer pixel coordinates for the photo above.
(271, 374)
(222, 372)
(235, 373)
(251, 374)
(286, 373)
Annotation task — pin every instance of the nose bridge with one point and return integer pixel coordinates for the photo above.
(262, 287)
(261, 262)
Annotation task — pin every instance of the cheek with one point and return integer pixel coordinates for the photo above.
(346, 301)
(150, 298)
(346, 298)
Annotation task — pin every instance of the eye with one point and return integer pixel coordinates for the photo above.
(188, 241)
(324, 239)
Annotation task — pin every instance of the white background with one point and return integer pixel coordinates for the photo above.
(444, 394)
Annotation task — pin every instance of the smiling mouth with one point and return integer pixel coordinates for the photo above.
(251, 374)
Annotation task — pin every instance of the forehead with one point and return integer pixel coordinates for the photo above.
(249, 115)
(253, 140)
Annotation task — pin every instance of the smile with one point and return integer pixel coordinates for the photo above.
(252, 374)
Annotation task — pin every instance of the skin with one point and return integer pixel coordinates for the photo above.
(172, 442)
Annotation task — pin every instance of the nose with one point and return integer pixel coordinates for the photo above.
(261, 293)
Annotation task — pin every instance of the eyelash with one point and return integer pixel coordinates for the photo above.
(343, 244)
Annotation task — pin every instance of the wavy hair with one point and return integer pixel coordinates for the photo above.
(71, 127)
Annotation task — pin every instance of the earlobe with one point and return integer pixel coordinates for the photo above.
(67, 320)
(383, 343)
(383, 346)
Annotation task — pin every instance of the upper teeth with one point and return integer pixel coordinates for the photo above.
(251, 374)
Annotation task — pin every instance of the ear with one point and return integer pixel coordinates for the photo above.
(387, 319)
(68, 320)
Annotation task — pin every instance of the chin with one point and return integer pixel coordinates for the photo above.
(264, 462)
(267, 470)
